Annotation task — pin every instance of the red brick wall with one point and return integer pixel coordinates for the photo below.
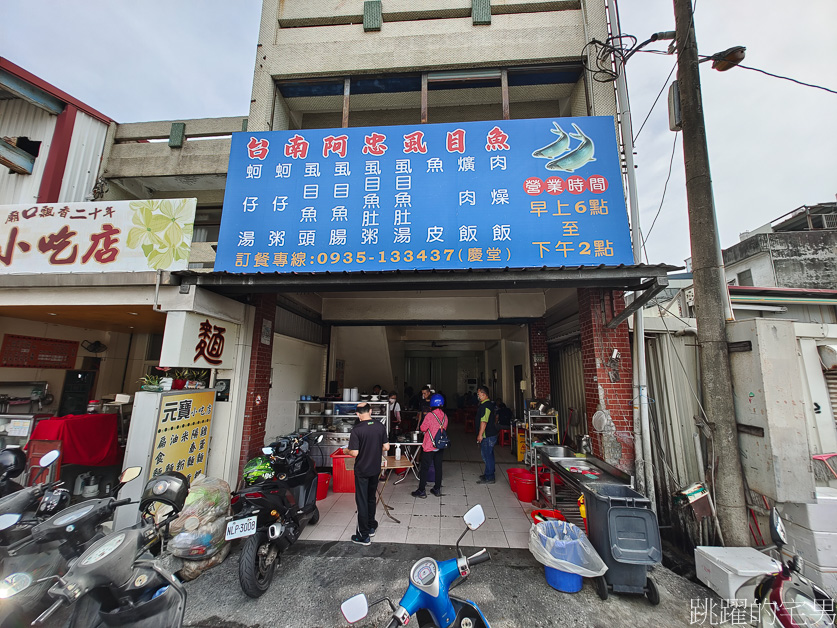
(539, 353)
(258, 383)
(595, 308)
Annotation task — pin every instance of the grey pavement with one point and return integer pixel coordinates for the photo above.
(314, 577)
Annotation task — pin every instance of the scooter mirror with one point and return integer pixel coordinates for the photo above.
(7, 521)
(14, 584)
(131, 473)
(49, 457)
(475, 517)
(319, 438)
(267, 451)
(355, 608)
(777, 529)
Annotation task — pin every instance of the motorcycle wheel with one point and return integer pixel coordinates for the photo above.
(316, 516)
(253, 574)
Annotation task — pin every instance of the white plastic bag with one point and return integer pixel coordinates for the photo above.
(563, 545)
(199, 530)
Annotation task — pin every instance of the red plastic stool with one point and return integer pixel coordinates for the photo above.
(469, 425)
(504, 438)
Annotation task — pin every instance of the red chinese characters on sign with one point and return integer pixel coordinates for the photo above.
(456, 141)
(56, 243)
(7, 251)
(374, 144)
(103, 245)
(414, 142)
(297, 147)
(257, 149)
(337, 145)
(533, 186)
(496, 140)
(210, 343)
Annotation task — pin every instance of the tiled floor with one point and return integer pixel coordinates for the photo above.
(434, 520)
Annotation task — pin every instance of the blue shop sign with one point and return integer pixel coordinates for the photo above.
(508, 193)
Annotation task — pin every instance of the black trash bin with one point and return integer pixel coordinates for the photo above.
(624, 530)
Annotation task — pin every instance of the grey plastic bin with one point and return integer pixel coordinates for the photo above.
(624, 530)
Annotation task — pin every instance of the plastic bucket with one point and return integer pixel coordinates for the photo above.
(546, 515)
(563, 581)
(513, 473)
(526, 486)
(323, 480)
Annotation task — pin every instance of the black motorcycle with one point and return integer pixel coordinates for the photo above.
(25, 508)
(277, 500)
(50, 547)
(116, 582)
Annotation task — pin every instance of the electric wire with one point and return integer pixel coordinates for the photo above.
(654, 104)
(662, 199)
(787, 78)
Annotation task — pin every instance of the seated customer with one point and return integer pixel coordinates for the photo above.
(504, 418)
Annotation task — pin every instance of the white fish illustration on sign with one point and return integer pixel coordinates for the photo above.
(558, 147)
(580, 156)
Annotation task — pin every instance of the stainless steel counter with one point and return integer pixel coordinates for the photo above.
(582, 472)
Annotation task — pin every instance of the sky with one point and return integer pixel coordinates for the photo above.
(772, 143)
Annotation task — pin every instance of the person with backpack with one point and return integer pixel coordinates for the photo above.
(487, 437)
(434, 426)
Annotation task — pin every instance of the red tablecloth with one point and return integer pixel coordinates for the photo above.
(87, 439)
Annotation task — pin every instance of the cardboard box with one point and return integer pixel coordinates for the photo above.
(725, 569)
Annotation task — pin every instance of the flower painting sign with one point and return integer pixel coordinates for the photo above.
(104, 236)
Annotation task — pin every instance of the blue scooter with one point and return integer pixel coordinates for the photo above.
(428, 595)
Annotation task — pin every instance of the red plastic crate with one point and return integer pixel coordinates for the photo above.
(344, 478)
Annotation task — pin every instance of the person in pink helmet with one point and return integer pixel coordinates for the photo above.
(434, 421)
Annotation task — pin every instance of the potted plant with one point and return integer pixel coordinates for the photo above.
(181, 376)
(151, 383)
(198, 378)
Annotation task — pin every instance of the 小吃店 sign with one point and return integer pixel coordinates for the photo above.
(198, 341)
(96, 237)
(507, 193)
(181, 441)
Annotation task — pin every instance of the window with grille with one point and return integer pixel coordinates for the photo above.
(41, 353)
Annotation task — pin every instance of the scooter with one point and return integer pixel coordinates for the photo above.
(116, 582)
(51, 546)
(428, 594)
(278, 499)
(787, 598)
(31, 505)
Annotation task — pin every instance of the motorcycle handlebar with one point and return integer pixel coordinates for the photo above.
(120, 502)
(481, 556)
(393, 623)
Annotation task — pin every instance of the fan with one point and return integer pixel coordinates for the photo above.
(94, 347)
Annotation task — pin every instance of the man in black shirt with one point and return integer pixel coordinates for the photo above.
(366, 443)
(487, 436)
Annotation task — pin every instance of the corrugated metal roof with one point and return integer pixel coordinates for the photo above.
(18, 118)
(85, 153)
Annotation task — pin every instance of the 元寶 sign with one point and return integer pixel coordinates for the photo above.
(181, 441)
(509, 193)
(95, 237)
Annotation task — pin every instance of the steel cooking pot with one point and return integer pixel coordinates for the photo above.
(415, 437)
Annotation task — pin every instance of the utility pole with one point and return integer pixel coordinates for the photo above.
(710, 290)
